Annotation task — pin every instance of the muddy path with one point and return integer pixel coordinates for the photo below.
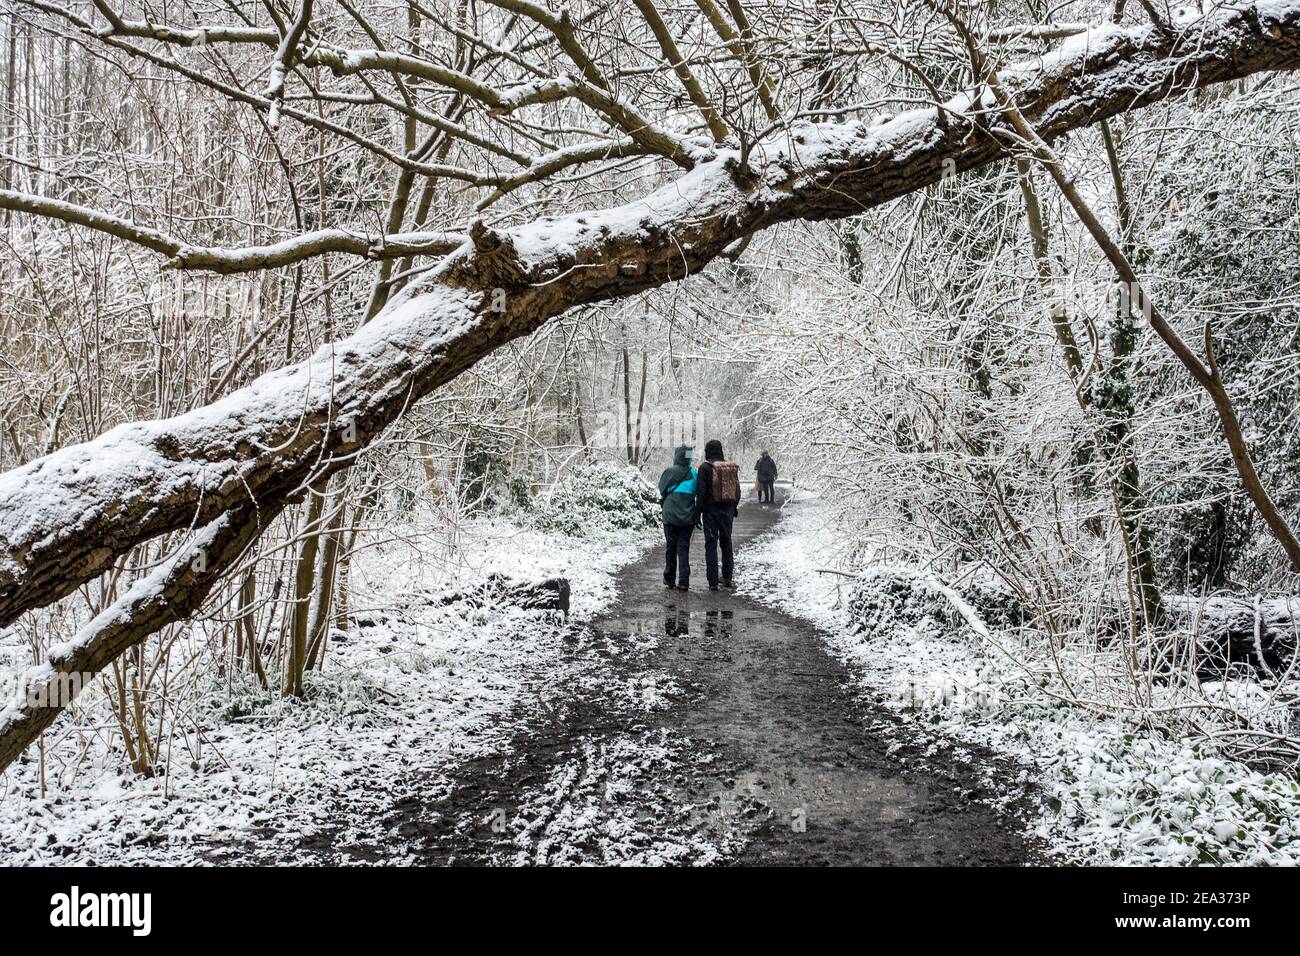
(698, 728)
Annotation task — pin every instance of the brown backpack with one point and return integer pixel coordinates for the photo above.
(726, 481)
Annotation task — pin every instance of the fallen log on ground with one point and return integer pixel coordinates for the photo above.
(1241, 636)
(1253, 634)
(497, 590)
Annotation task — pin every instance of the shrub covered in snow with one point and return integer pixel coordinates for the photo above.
(994, 601)
(885, 602)
(597, 497)
(893, 601)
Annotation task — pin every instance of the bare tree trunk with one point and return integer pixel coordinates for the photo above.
(233, 467)
(11, 108)
(640, 409)
(246, 622)
(345, 559)
(1116, 403)
(630, 451)
(304, 581)
(1111, 441)
(319, 621)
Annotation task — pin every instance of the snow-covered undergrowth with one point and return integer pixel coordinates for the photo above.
(1110, 791)
(247, 776)
(596, 495)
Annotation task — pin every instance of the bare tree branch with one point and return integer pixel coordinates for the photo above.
(743, 51)
(668, 45)
(172, 593)
(183, 255)
(67, 517)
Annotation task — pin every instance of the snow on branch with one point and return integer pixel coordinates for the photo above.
(65, 518)
(182, 255)
(174, 591)
(591, 89)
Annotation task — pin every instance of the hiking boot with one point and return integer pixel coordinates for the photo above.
(713, 587)
(669, 584)
(683, 587)
(729, 584)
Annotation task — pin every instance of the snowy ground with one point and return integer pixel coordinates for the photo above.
(404, 702)
(399, 702)
(1109, 792)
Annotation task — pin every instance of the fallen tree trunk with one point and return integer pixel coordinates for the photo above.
(1247, 636)
(1259, 636)
(66, 517)
(1234, 636)
(173, 592)
(551, 594)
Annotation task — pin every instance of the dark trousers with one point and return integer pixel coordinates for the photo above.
(677, 554)
(765, 492)
(717, 537)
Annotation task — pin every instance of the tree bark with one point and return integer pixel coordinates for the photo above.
(66, 517)
(171, 593)
(1116, 402)
(304, 585)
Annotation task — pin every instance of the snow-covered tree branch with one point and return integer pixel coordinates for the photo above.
(68, 516)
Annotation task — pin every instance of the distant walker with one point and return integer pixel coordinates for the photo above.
(766, 470)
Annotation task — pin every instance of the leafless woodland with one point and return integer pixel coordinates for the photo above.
(1010, 284)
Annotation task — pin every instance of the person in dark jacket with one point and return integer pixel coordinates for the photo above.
(766, 469)
(716, 517)
(677, 500)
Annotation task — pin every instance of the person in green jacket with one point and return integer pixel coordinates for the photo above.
(677, 499)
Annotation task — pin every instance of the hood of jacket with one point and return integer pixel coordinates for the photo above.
(682, 455)
(713, 450)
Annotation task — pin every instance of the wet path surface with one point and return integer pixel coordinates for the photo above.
(697, 728)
